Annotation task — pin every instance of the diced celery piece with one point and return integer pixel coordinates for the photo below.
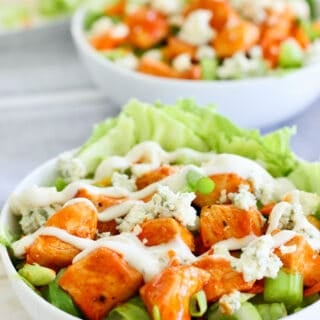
(272, 311)
(287, 287)
(209, 68)
(291, 55)
(247, 311)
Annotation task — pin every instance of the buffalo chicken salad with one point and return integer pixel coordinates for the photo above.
(167, 223)
(205, 39)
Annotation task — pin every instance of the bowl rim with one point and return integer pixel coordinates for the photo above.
(12, 274)
(48, 168)
(78, 35)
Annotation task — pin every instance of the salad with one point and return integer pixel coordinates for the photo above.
(22, 14)
(205, 39)
(173, 212)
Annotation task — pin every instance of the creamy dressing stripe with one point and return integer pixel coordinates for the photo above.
(19, 247)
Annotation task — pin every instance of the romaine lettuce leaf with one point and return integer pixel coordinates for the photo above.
(306, 176)
(186, 125)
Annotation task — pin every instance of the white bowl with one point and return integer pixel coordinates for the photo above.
(255, 102)
(36, 306)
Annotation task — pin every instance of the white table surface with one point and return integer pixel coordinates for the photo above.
(48, 105)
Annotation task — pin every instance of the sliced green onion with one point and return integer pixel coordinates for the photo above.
(156, 313)
(60, 184)
(134, 309)
(272, 311)
(209, 68)
(286, 287)
(205, 185)
(37, 275)
(197, 182)
(198, 304)
(247, 311)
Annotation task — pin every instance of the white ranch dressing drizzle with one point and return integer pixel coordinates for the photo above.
(149, 261)
(117, 211)
(154, 156)
(232, 244)
(80, 200)
(19, 247)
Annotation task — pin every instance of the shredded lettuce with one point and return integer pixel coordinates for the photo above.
(186, 125)
(306, 176)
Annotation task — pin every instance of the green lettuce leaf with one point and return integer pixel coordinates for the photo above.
(306, 176)
(186, 125)
(118, 139)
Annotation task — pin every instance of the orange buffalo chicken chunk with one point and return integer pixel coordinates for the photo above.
(100, 281)
(172, 289)
(163, 230)
(223, 279)
(78, 219)
(221, 222)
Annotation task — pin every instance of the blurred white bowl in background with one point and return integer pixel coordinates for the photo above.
(255, 102)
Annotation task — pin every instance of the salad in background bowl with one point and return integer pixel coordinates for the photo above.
(205, 39)
(168, 212)
(233, 67)
(17, 15)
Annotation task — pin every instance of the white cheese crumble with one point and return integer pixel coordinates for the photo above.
(243, 199)
(120, 30)
(255, 52)
(257, 10)
(164, 204)
(123, 181)
(182, 62)
(196, 29)
(223, 196)
(229, 303)
(239, 66)
(205, 52)
(291, 217)
(130, 61)
(300, 8)
(70, 168)
(153, 54)
(101, 26)
(33, 219)
(258, 260)
(168, 7)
